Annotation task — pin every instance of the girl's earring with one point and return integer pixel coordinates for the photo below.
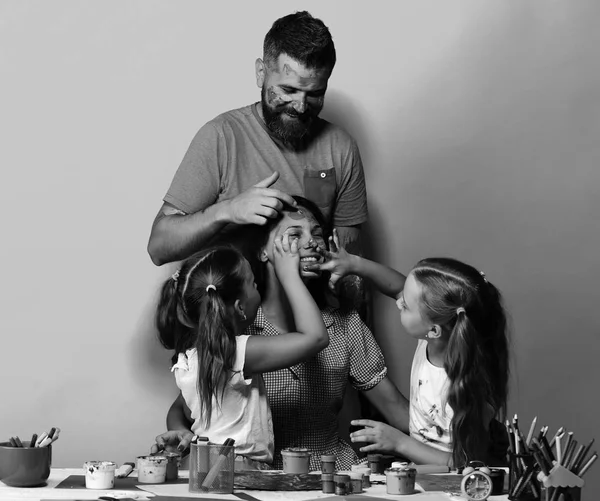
(243, 316)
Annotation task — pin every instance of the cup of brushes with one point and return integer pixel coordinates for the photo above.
(27, 463)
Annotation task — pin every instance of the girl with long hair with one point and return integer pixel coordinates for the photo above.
(202, 313)
(460, 370)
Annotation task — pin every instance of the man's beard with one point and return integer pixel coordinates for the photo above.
(292, 131)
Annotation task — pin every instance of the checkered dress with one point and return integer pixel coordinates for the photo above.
(305, 399)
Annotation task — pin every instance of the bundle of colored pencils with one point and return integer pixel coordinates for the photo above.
(563, 449)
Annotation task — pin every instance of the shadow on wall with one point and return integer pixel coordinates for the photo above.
(344, 112)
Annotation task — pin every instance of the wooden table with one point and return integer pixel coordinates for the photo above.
(179, 491)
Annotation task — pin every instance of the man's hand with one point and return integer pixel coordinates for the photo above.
(337, 261)
(172, 441)
(286, 259)
(258, 204)
(382, 437)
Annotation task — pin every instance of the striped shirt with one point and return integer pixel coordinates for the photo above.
(306, 398)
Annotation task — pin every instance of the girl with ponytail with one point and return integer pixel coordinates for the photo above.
(460, 370)
(202, 313)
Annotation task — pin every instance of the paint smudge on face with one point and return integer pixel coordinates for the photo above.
(299, 214)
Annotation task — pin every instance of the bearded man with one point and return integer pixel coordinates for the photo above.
(242, 166)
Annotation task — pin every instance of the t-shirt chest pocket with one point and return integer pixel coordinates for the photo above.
(320, 188)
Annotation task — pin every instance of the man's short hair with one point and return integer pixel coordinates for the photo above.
(303, 38)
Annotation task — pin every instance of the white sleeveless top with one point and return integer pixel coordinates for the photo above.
(244, 413)
(430, 414)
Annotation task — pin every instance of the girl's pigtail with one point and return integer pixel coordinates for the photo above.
(467, 392)
(216, 347)
(166, 317)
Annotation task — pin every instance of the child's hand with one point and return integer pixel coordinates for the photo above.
(172, 441)
(286, 258)
(382, 437)
(337, 260)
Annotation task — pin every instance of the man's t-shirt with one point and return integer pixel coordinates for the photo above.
(234, 151)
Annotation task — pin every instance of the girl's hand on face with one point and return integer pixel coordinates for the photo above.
(337, 260)
(286, 258)
(380, 436)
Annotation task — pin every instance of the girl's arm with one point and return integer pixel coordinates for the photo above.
(390, 402)
(179, 425)
(386, 438)
(270, 353)
(340, 263)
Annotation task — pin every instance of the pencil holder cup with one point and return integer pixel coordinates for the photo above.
(555, 493)
(523, 484)
(211, 468)
(24, 466)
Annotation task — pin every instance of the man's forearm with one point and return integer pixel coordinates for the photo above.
(176, 235)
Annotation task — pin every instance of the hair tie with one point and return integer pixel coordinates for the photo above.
(460, 310)
(211, 286)
(483, 276)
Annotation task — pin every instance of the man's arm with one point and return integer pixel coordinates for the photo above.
(176, 235)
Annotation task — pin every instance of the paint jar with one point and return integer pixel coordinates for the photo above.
(99, 474)
(295, 460)
(152, 469)
(327, 483)
(400, 480)
(375, 463)
(349, 475)
(366, 474)
(356, 480)
(328, 463)
(342, 484)
(173, 461)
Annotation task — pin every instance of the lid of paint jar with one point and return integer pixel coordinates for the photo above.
(328, 458)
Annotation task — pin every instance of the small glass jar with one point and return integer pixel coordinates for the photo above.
(366, 474)
(400, 480)
(342, 484)
(328, 463)
(173, 460)
(295, 460)
(152, 469)
(100, 474)
(375, 463)
(356, 479)
(327, 483)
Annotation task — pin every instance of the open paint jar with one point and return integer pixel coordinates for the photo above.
(400, 480)
(99, 474)
(152, 469)
(295, 460)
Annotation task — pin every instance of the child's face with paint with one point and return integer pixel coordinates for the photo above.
(302, 226)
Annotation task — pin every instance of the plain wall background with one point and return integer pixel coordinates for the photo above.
(478, 123)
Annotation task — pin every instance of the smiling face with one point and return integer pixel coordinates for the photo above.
(292, 96)
(304, 227)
